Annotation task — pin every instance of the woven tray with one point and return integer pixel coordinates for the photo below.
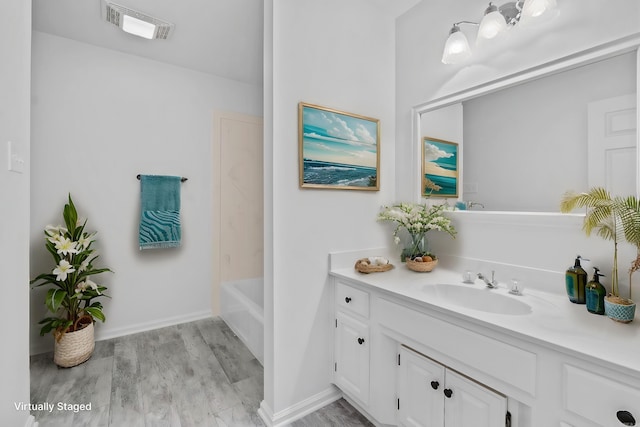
(421, 267)
(363, 266)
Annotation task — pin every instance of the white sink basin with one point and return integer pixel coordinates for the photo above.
(481, 299)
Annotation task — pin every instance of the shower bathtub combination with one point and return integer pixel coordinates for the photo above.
(242, 308)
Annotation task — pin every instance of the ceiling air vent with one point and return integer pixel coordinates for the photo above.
(135, 22)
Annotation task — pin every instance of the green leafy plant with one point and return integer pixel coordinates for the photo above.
(417, 220)
(71, 296)
(612, 218)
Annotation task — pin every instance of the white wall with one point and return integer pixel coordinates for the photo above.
(522, 141)
(340, 55)
(15, 72)
(99, 118)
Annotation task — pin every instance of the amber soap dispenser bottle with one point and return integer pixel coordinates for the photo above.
(576, 280)
(595, 293)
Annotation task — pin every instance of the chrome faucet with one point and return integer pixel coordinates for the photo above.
(491, 284)
(470, 205)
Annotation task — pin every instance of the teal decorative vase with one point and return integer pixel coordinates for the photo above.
(623, 313)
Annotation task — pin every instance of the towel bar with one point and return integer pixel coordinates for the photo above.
(183, 179)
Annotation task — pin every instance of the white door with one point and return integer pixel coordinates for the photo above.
(237, 197)
(612, 139)
(352, 356)
(468, 403)
(420, 391)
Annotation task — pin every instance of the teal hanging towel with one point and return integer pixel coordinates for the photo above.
(160, 212)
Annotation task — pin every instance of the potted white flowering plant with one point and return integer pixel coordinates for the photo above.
(71, 296)
(417, 220)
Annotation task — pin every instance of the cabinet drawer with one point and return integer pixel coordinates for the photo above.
(352, 299)
(599, 399)
(505, 362)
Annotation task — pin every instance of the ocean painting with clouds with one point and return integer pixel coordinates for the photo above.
(439, 168)
(337, 149)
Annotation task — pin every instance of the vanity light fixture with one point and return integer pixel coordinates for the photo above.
(134, 22)
(456, 48)
(496, 20)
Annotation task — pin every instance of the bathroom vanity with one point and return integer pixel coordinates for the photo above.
(425, 349)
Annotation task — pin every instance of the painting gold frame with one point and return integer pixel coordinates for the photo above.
(440, 171)
(337, 150)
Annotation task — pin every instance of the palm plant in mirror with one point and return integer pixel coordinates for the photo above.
(615, 218)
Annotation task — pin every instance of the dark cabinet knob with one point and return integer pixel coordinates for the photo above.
(626, 418)
(448, 392)
(347, 300)
(435, 385)
(360, 341)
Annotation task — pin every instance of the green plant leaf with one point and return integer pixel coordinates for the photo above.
(70, 216)
(598, 202)
(53, 323)
(628, 210)
(55, 297)
(95, 312)
(46, 278)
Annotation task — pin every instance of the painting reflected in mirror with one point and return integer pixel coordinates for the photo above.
(439, 168)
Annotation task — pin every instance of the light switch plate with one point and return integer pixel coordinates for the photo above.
(14, 156)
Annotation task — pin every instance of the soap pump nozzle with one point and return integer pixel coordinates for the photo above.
(578, 259)
(597, 274)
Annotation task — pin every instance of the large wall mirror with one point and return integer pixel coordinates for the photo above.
(523, 146)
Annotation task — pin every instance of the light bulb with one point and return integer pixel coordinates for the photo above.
(491, 26)
(536, 8)
(456, 48)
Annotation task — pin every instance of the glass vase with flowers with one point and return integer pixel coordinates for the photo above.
(416, 220)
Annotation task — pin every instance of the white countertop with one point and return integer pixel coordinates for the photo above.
(554, 321)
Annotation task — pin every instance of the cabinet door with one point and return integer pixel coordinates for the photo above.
(468, 403)
(420, 385)
(352, 357)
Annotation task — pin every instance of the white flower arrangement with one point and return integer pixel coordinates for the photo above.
(417, 220)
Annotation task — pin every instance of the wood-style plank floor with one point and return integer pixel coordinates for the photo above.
(193, 374)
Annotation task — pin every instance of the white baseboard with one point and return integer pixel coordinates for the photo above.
(45, 346)
(286, 416)
(154, 324)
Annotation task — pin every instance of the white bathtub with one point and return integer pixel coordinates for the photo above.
(242, 308)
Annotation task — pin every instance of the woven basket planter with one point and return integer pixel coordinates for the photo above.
(74, 347)
(421, 267)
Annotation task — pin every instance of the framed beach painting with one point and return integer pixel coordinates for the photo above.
(439, 168)
(337, 150)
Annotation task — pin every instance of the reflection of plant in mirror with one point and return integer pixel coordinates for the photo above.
(612, 218)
